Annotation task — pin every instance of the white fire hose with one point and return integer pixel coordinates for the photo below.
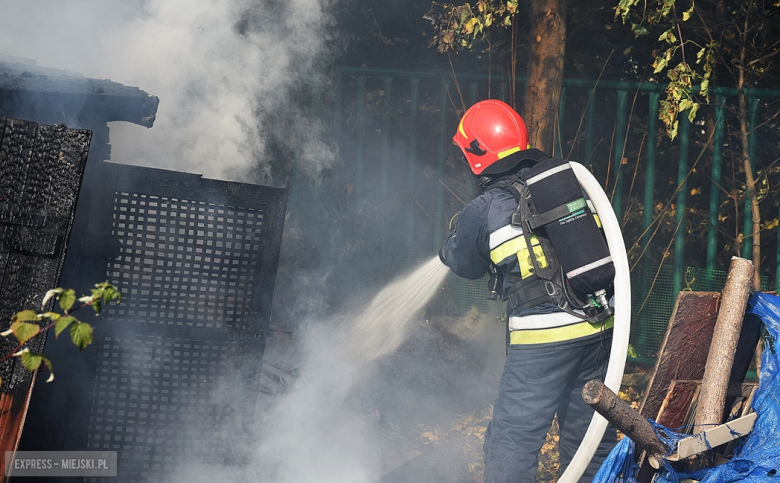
(617, 357)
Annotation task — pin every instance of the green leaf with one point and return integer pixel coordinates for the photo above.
(63, 324)
(685, 104)
(659, 64)
(24, 315)
(465, 13)
(32, 361)
(705, 87)
(631, 351)
(668, 37)
(81, 334)
(624, 8)
(673, 131)
(24, 331)
(687, 14)
(639, 30)
(67, 299)
(692, 112)
(108, 292)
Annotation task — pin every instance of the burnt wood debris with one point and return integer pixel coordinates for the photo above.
(42, 169)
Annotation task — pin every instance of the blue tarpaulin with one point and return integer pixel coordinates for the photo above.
(757, 458)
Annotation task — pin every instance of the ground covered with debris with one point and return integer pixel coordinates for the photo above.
(431, 400)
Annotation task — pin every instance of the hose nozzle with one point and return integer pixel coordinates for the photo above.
(494, 285)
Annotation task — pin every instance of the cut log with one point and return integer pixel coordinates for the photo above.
(717, 372)
(620, 414)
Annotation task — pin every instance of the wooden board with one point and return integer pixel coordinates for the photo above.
(683, 352)
(713, 437)
(677, 406)
(680, 403)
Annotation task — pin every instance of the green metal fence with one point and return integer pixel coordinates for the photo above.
(368, 103)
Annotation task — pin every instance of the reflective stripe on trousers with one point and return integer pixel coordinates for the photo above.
(556, 327)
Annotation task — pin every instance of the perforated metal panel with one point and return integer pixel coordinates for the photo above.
(185, 261)
(178, 360)
(155, 403)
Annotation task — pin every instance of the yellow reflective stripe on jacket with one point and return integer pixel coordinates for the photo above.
(559, 334)
(518, 247)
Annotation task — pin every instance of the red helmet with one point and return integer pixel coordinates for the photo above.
(489, 131)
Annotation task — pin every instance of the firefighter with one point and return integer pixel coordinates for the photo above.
(551, 350)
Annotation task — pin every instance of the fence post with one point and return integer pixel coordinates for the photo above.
(439, 212)
(361, 130)
(652, 128)
(620, 138)
(717, 156)
(682, 194)
(412, 162)
(472, 93)
(747, 245)
(337, 101)
(469, 178)
(561, 113)
(383, 183)
(386, 134)
(589, 129)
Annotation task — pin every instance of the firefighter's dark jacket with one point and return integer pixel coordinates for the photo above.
(467, 251)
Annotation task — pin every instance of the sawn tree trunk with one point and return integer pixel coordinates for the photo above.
(545, 72)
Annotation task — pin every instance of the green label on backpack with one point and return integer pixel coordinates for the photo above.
(576, 205)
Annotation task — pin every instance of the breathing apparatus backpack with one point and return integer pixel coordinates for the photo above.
(578, 273)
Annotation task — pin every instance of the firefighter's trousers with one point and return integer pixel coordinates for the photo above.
(538, 382)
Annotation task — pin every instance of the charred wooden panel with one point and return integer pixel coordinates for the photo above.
(15, 157)
(679, 406)
(683, 353)
(676, 408)
(41, 169)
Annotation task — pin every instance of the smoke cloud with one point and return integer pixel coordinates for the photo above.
(228, 74)
(225, 73)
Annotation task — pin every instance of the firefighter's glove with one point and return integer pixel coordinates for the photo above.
(441, 255)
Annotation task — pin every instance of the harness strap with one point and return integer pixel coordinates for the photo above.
(527, 294)
(555, 214)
